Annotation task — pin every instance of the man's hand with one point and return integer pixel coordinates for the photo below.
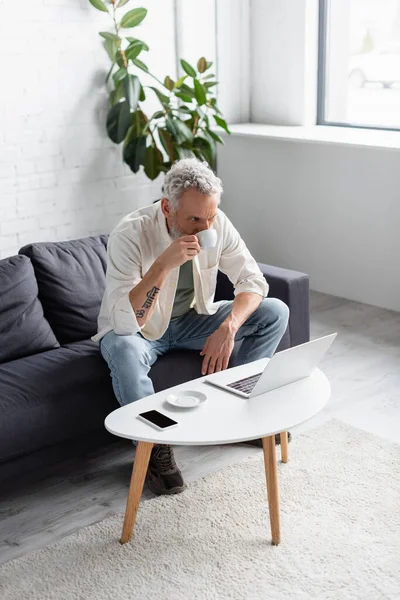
(179, 251)
(217, 350)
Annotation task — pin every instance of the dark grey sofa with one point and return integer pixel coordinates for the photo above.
(55, 389)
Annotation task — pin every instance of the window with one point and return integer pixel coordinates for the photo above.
(359, 63)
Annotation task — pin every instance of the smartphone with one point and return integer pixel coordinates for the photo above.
(157, 420)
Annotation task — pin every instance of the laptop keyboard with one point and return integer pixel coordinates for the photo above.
(245, 385)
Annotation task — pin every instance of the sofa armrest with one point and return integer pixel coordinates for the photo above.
(292, 288)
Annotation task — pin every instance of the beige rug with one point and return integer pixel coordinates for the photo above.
(340, 518)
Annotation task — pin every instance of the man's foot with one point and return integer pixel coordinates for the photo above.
(258, 442)
(163, 476)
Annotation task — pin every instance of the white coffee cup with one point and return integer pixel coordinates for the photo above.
(207, 238)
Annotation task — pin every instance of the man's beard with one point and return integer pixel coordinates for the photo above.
(174, 230)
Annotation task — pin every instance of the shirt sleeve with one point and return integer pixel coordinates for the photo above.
(239, 265)
(123, 273)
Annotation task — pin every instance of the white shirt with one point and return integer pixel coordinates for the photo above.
(137, 241)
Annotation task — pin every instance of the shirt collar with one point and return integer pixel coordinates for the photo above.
(162, 225)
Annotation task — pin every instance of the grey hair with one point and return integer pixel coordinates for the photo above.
(190, 173)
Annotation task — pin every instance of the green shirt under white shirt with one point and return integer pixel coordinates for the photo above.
(184, 295)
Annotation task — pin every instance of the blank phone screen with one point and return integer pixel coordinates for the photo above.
(158, 419)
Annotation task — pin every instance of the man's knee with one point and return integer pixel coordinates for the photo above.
(273, 310)
(124, 348)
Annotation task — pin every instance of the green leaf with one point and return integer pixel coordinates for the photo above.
(210, 84)
(132, 91)
(179, 131)
(201, 65)
(185, 152)
(132, 40)
(222, 123)
(119, 59)
(136, 44)
(180, 81)
(185, 89)
(120, 74)
(99, 5)
(210, 76)
(200, 92)
(140, 64)
(133, 50)
(113, 98)
(184, 97)
(209, 64)
(184, 109)
(112, 48)
(215, 136)
(188, 68)
(110, 71)
(134, 153)
(185, 134)
(118, 121)
(204, 148)
(137, 128)
(158, 115)
(169, 83)
(200, 112)
(133, 17)
(153, 162)
(117, 94)
(162, 97)
(166, 141)
(142, 96)
(214, 105)
(170, 125)
(122, 3)
(213, 148)
(109, 36)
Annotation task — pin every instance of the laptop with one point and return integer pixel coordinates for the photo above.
(284, 367)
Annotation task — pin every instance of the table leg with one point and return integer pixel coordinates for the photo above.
(142, 458)
(284, 446)
(271, 474)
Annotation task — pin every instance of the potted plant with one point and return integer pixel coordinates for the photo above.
(182, 127)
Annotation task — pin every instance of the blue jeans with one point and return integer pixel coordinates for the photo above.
(130, 357)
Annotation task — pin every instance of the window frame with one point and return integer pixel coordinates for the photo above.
(322, 88)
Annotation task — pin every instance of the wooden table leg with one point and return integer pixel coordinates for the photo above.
(284, 446)
(143, 452)
(271, 474)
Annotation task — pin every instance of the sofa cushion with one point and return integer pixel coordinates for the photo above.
(66, 393)
(71, 280)
(23, 327)
(52, 397)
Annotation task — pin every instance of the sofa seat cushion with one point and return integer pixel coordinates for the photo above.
(52, 397)
(23, 328)
(71, 280)
(65, 393)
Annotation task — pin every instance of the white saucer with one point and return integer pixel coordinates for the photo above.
(186, 399)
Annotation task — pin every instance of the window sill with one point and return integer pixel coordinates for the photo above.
(370, 138)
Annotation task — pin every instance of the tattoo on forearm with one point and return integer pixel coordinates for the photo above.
(150, 297)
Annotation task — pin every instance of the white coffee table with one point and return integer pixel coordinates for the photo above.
(224, 418)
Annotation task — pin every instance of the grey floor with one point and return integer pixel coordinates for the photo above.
(363, 367)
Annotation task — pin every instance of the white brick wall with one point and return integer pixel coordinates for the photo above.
(60, 176)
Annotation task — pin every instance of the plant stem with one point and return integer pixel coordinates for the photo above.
(196, 120)
(152, 137)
